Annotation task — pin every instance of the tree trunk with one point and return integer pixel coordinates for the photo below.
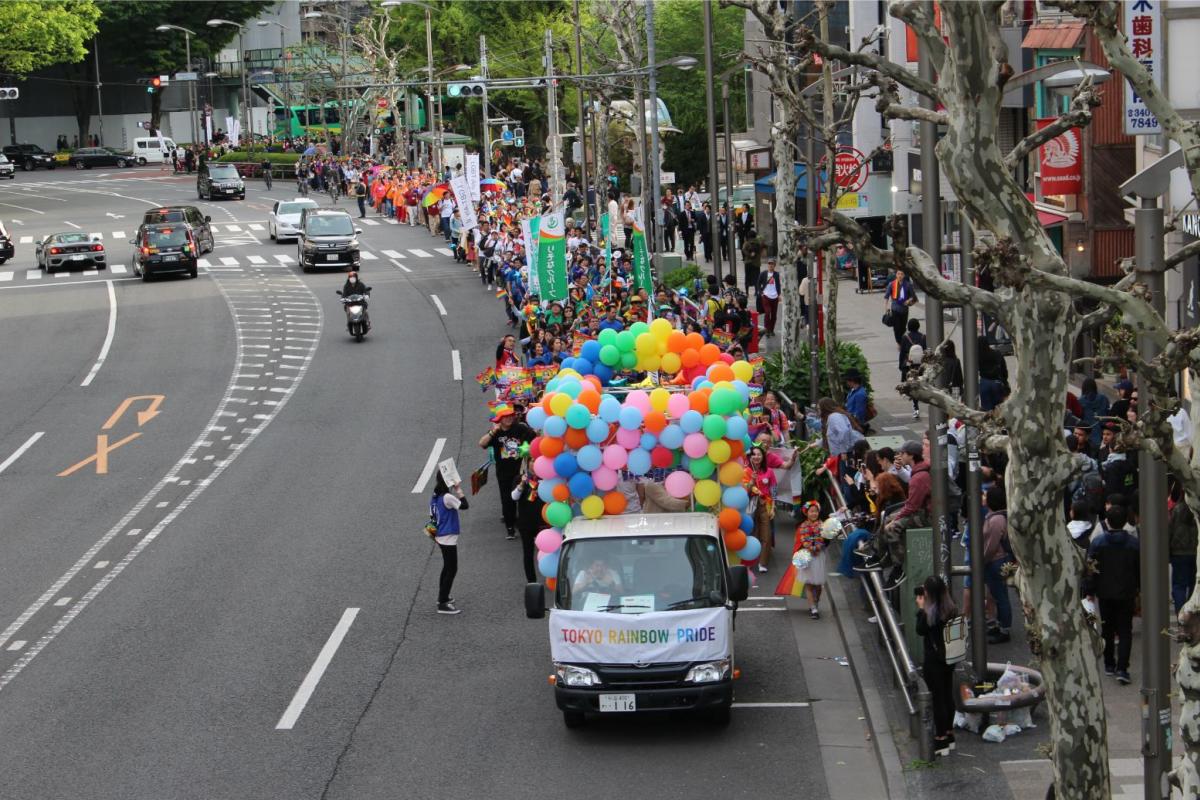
(832, 370)
(156, 113)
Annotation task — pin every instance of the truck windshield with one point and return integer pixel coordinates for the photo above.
(634, 576)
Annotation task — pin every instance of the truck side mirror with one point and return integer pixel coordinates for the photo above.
(739, 583)
(535, 601)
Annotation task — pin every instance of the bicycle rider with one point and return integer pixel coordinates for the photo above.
(266, 172)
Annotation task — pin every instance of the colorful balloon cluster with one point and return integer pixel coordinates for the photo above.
(656, 347)
(588, 438)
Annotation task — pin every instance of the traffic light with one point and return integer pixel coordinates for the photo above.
(155, 85)
(9, 93)
(465, 90)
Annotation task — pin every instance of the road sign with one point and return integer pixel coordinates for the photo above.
(506, 135)
(519, 142)
(382, 102)
(187, 76)
(666, 177)
(850, 169)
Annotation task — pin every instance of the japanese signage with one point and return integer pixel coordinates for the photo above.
(462, 196)
(597, 637)
(1142, 22)
(850, 169)
(473, 175)
(552, 257)
(1061, 161)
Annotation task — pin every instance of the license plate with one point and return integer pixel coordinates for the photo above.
(331, 257)
(78, 258)
(618, 702)
(170, 258)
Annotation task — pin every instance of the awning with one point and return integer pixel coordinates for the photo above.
(431, 137)
(767, 185)
(1047, 217)
(1065, 35)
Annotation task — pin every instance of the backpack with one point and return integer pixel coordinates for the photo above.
(954, 636)
(1091, 491)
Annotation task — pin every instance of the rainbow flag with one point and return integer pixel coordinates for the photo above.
(486, 378)
(722, 338)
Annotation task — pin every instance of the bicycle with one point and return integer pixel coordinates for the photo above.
(334, 191)
(267, 177)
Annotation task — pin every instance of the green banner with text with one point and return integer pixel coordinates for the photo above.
(642, 277)
(552, 257)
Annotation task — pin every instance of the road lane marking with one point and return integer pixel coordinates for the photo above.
(142, 416)
(20, 451)
(396, 263)
(33, 275)
(62, 601)
(430, 466)
(770, 705)
(456, 365)
(315, 673)
(229, 261)
(391, 254)
(17, 645)
(437, 302)
(108, 337)
(117, 269)
(100, 565)
(72, 224)
(254, 226)
(26, 240)
(6, 276)
(256, 259)
(118, 234)
(103, 448)
(418, 252)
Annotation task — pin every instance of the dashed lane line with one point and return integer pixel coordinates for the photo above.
(20, 451)
(309, 684)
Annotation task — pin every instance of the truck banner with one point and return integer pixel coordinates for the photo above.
(590, 637)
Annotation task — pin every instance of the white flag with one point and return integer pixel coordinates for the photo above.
(462, 196)
(473, 175)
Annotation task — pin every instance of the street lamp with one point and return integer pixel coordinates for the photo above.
(216, 23)
(187, 44)
(287, 99)
(428, 61)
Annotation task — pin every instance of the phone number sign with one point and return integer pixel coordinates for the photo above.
(1143, 29)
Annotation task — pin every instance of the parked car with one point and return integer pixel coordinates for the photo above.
(29, 156)
(88, 157)
(219, 180)
(189, 215)
(7, 168)
(7, 248)
(152, 149)
(327, 238)
(68, 250)
(284, 220)
(164, 248)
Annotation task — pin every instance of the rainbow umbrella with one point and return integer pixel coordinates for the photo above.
(434, 195)
(492, 184)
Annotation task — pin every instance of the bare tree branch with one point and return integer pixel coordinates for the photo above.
(1183, 254)
(1138, 314)
(871, 61)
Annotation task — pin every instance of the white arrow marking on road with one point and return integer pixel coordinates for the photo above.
(437, 302)
(115, 216)
(456, 365)
(430, 465)
(108, 337)
(30, 442)
(309, 684)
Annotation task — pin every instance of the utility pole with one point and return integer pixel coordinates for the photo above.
(99, 98)
(191, 85)
(655, 174)
(970, 397)
(487, 129)
(429, 90)
(582, 104)
(729, 234)
(552, 111)
(810, 209)
(931, 234)
(714, 177)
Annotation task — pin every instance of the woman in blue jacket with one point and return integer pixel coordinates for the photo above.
(443, 508)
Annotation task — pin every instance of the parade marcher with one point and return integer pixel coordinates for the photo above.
(768, 289)
(762, 493)
(444, 506)
(505, 440)
(810, 574)
(529, 518)
(899, 295)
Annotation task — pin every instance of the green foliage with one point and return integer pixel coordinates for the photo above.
(684, 276)
(1115, 339)
(39, 34)
(257, 157)
(156, 51)
(794, 381)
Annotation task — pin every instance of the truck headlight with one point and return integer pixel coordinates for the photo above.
(709, 672)
(569, 675)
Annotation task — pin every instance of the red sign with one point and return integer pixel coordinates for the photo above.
(382, 102)
(1061, 161)
(850, 169)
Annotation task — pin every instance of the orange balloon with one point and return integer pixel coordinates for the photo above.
(698, 401)
(729, 519)
(721, 372)
(551, 446)
(655, 421)
(690, 358)
(735, 540)
(676, 342)
(590, 398)
(709, 354)
(551, 583)
(614, 503)
(594, 381)
(562, 493)
(695, 341)
(575, 438)
(736, 448)
(546, 398)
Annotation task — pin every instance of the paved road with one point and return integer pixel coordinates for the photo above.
(158, 618)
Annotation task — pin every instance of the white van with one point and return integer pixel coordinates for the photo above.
(642, 618)
(152, 149)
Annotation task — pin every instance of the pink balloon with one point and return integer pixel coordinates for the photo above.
(628, 439)
(679, 484)
(677, 405)
(615, 456)
(605, 478)
(695, 445)
(543, 467)
(548, 541)
(728, 359)
(691, 373)
(639, 400)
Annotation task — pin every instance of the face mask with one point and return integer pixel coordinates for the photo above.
(354, 280)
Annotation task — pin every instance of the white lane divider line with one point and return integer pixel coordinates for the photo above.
(430, 466)
(62, 601)
(437, 302)
(770, 705)
(108, 337)
(229, 261)
(20, 451)
(283, 258)
(396, 263)
(136, 531)
(456, 365)
(26, 240)
(254, 226)
(369, 222)
(315, 673)
(33, 275)
(6, 276)
(17, 645)
(100, 565)
(118, 234)
(117, 269)
(256, 259)
(365, 256)
(233, 228)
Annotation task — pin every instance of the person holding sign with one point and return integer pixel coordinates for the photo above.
(443, 511)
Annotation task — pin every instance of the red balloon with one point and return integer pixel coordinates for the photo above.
(735, 540)
(661, 457)
(736, 448)
(562, 493)
(535, 448)
(614, 503)
(728, 359)
(551, 583)
(576, 438)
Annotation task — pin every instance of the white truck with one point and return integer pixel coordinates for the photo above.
(642, 617)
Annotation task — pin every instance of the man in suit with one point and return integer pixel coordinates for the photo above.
(669, 221)
(703, 226)
(743, 224)
(723, 231)
(687, 229)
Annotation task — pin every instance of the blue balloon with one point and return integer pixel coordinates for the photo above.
(747, 524)
(751, 551)
(571, 387)
(706, 384)
(567, 363)
(630, 418)
(555, 426)
(610, 408)
(691, 421)
(584, 366)
(597, 432)
(649, 440)
(546, 489)
(589, 456)
(565, 465)
(732, 497)
(581, 485)
(696, 381)
(639, 462)
(548, 565)
(578, 416)
(743, 389)
(536, 417)
(671, 437)
(735, 427)
(590, 350)
(604, 372)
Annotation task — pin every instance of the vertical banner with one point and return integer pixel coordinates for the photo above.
(606, 235)
(1061, 161)
(208, 129)
(466, 208)
(231, 130)
(529, 230)
(1143, 30)
(552, 257)
(473, 175)
(642, 279)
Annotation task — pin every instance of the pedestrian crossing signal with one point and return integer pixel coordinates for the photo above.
(9, 93)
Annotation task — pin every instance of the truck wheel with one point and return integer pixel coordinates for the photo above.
(573, 719)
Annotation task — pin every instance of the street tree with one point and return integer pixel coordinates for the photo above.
(40, 34)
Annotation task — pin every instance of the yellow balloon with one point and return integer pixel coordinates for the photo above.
(742, 370)
(723, 385)
(661, 329)
(671, 365)
(592, 506)
(650, 363)
(560, 403)
(645, 344)
(662, 346)
(731, 473)
(568, 373)
(719, 451)
(659, 398)
(707, 493)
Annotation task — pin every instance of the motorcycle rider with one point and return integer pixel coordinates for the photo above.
(354, 285)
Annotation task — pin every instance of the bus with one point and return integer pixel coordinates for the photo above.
(306, 120)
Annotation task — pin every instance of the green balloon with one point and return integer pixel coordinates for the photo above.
(701, 467)
(626, 341)
(607, 336)
(609, 354)
(638, 328)
(558, 515)
(723, 402)
(714, 425)
(629, 360)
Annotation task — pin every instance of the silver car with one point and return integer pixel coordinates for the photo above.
(284, 220)
(7, 168)
(67, 250)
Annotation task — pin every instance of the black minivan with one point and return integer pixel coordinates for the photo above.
(219, 180)
(164, 248)
(191, 215)
(328, 239)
